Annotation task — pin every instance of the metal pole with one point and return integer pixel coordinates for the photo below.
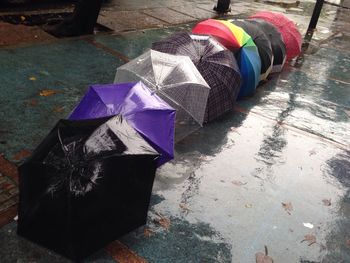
(223, 6)
(315, 15)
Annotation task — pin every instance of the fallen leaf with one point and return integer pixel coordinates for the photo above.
(327, 202)
(23, 18)
(48, 92)
(184, 207)
(248, 205)
(33, 102)
(32, 78)
(163, 222)
(58, 109)
(312, 152)
(261, 257)
(308, 225)
(147, 232)
(348, 242)
(288, 207)
(21, 155)
(238, 183)
(310, 239)
(347, 112)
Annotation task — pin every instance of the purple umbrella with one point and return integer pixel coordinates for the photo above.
(145, 112)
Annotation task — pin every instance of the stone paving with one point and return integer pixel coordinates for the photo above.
(223, 194)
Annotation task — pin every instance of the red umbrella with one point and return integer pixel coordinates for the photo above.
(290, 33)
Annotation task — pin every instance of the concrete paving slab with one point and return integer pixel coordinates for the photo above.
(317, 106)
(194, 11)
(168, 15)
(120, 21)
(232, 178)
(19, 34)
(133, 44)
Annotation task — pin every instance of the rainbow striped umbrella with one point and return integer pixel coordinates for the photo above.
(241, 44)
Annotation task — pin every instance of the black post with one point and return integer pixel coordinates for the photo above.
(223, 6)
(315, 15)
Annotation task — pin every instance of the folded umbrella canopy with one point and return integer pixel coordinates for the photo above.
(277, 43)
(88, 183)
(241, 44)
(217, 65)
(291, 35)
(176, 80)
(262, 42)
(145, 112)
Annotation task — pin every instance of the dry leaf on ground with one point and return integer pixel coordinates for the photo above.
(48, 92)
(21, 155)
(248, 205)
(261, 257)
(288, 207)
(33, 102)
(163, 222)
(32, 78)
(147, 232)
(58, 109)
(327, 202)
(348, 242)
(184, 207)
(238, 183)
(310, 239)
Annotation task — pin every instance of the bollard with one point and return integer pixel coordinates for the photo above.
(315, 15)
(223, 6)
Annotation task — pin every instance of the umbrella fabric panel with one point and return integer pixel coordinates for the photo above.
(216, 64)
(250, 65)
(145, 112)
(290, 34)
(167, 75)
(100, 101)
(277, 43)
(242, 41)
(67, 185)
(220, 31)
(263, 44)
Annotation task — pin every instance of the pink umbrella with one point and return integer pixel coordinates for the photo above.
(290, 33)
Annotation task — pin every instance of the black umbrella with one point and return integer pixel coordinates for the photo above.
(87, 183)
(262, 42)
(277, 43)
(217, 65)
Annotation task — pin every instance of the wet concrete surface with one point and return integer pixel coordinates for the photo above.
(275, 172)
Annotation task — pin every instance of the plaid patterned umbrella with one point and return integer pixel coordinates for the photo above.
(217, 65)
(176, 80)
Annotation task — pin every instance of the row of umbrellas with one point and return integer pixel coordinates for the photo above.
(90, 180)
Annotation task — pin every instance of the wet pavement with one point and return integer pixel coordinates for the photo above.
(274, 173)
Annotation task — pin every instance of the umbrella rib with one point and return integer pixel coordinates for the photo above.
(63, 147)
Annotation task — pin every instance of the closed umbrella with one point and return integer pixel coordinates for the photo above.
(241, 44)
(88, 183)
(262, 42)
(176, 80)
(217, 65)
(145, 112)
(277, 43)
(290, 33)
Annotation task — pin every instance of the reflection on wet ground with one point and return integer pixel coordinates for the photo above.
(275, 172)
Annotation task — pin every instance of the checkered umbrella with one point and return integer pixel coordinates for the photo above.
(217, 65)
(176, 80)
